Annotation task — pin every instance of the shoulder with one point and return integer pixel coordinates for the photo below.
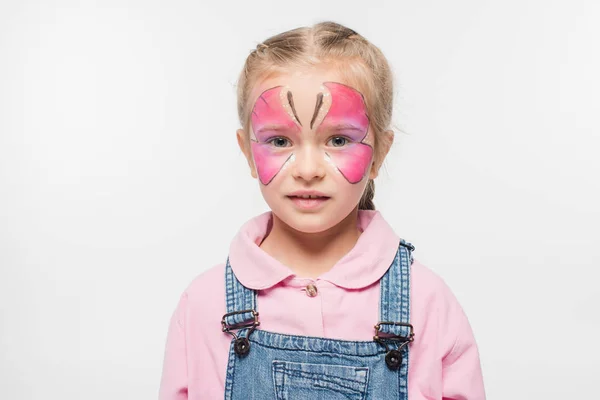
(425, 282)
(436, 309)
(431, 294)
(207, 289)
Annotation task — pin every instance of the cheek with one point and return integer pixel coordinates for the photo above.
(353, 161)
(268, 162)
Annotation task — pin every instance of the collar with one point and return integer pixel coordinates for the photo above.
(363, 265)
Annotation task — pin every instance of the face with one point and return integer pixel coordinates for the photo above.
(310, 135)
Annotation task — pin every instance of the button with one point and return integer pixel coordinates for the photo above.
(311, 290)
(393, 359)
(241, 346)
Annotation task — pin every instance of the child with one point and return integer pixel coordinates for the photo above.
(319, 298)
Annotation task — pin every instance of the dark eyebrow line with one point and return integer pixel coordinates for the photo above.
(291, 101)
(317, 107)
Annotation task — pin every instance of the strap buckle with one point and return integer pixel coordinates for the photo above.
(227, 327)
(242, 344)
(393, 358)
(392, 337)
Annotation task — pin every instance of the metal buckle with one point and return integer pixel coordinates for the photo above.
(393, 357)
(394, 338)
(245, 324)
(242, 344)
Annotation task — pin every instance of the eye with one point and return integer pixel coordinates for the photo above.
(279, 141)
(338, 141)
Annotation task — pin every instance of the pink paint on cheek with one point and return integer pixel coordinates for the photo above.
(268, 162)
(353, 161)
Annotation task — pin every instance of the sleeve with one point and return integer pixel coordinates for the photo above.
(462, 377)
(173, 384)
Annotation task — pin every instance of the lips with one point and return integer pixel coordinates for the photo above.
(308, 194)
(310, 197)
(308, 201)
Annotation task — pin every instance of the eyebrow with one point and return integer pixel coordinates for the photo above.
(317, 108)
(291, 101)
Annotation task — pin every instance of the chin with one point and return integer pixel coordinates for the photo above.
(309, 225)
(309, 222)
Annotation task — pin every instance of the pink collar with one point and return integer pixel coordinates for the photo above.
(363, 265)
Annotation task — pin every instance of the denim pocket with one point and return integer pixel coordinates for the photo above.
(295, 380)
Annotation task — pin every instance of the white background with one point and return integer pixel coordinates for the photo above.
(121, 180)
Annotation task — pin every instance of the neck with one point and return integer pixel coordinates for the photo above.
(309, 255)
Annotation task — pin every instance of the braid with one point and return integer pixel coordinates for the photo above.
(366, 201)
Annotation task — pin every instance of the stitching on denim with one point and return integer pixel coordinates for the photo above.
(366, 391)
(295, 366)
(333, 380)
(380, 351)
(230, 373)
(365, 345)
(320, 339)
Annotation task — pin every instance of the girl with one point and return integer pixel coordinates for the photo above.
(319, 298)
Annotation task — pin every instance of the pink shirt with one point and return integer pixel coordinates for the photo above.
(443, 361)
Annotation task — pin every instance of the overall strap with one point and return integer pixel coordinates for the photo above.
(240, 301)
(394, 306)
(394, 330)
(394, 303)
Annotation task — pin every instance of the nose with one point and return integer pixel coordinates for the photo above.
(309, 163)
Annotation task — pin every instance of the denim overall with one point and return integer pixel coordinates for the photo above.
(268, 365)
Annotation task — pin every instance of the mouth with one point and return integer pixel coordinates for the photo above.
(308, 202)
(309, 196)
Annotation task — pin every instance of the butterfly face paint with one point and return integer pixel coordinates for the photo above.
(344, 113)
(273, 115)
(340, 112)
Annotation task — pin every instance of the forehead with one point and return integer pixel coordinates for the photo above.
(304, 82)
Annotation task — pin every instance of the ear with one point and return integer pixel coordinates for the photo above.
(244, 143)
(386, 138)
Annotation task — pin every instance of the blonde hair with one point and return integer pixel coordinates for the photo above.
(358, 61)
